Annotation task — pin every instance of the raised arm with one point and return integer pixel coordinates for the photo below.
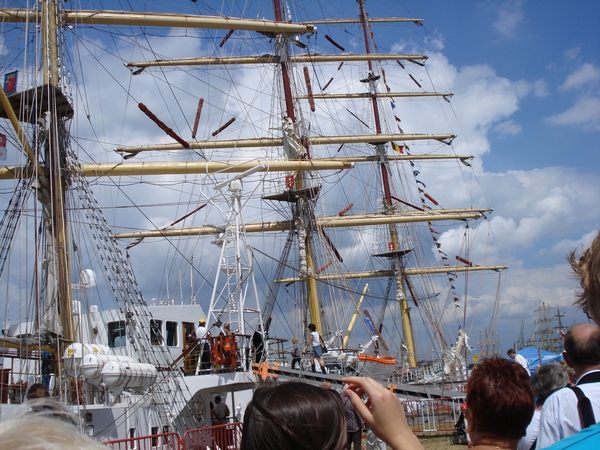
(382, 412)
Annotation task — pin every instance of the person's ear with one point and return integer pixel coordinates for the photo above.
(567, 359)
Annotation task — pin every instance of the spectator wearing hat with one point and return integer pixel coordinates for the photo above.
(202, 334)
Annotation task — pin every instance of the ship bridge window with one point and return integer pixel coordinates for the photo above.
(171, 330)
(116, 334)
(156, 332)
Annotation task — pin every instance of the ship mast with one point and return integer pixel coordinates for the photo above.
(395, 253)
(303, 206)
(55, 209)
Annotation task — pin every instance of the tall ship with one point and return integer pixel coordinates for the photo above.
(259, 166)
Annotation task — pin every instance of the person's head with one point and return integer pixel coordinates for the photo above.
(500, 401)
(295, 416)
(312, 327)
(34, 431)
(587, 268)
(227, 326)
(37, 390)
(511, 353)
(294, 340)
(582, 348)
(218, 399)
(547, 379)
(202, 322)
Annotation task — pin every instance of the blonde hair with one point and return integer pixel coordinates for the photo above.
(294, 340)
(41, 432)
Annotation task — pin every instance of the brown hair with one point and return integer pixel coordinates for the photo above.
(37, 390)
(587, 268)
(294, 416)
(500, 399)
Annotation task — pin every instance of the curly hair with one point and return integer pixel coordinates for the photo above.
(587, 269)
(500, 399)
(295, 416)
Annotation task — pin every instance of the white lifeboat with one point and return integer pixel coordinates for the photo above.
(92, 364)
(75, 353)
(119, 375)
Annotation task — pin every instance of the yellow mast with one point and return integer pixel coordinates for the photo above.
(354, 316)
(54, 167)
(152, 19)
(355, 220)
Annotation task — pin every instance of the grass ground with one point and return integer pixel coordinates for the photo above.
(436, 442)
(439, 442)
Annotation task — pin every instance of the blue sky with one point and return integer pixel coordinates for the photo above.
(534, 41)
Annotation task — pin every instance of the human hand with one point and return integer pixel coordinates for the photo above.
(382, 412)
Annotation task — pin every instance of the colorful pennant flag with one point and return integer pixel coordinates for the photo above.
(397, 147)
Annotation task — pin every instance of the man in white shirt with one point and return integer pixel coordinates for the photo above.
(202, 334)
(518, 358)
(560, 415)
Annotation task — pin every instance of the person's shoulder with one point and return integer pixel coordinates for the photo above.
(558, 396)
(589, 438)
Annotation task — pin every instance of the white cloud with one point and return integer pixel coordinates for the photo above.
(509, 17)
(483, 97)
(540, 88)
(584, 113)
(566, 246)
(523, 88)
(527, 205)
(508, 127)
(527, 289)
(583, 76)
(572, 53)
(535, 201)
(436, 41)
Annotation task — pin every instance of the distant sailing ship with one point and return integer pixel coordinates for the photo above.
(284, 190)
(548, 332)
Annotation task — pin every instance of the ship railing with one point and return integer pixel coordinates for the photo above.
(219, 437)
(428, 371)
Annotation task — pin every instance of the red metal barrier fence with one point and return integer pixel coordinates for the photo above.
(424, 415)
(224, 437)
(166, 441)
